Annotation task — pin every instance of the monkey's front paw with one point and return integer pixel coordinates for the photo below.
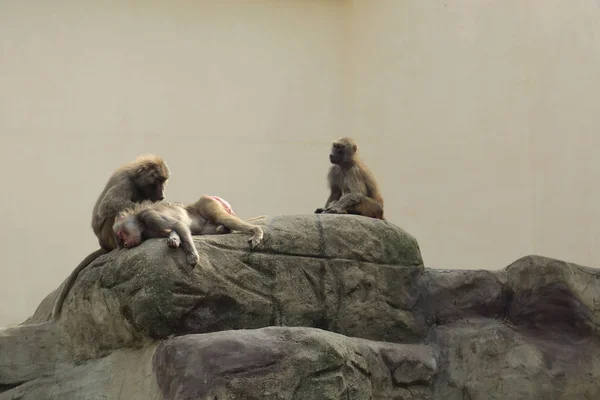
(334, 211)
(173, 242)
(319, 210)
(193, 258)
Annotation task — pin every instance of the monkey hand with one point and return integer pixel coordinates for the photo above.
(221, 229)
(319, 210)
(173, 242)
(193, 258)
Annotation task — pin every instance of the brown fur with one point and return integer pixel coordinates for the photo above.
(353, 189)
(143, 179)
(178, 223)
(140, 180)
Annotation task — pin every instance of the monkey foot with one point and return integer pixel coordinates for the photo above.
(193, 258)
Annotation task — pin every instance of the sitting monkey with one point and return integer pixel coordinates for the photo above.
(353, 189)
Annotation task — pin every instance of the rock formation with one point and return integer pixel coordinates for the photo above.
(327, 307)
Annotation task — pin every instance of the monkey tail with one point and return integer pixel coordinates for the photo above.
(71, 280)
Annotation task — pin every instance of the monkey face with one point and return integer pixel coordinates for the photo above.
(342, 151)
(128, 232)
(152, 187)
(151, 181)
(129, 239)
(340, 154)
(155, 191)
(336, 155)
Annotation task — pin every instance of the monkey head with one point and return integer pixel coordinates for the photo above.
(342, 151)
(151, 176)
(127, 230)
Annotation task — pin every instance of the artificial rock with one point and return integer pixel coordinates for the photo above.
(326, 307)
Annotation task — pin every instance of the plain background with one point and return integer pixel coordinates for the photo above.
(478, 117)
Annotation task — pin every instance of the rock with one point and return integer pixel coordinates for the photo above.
(302, 274)
(289, 363)
(327, 307)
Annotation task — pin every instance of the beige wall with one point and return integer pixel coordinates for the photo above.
(476, 117)
(485, 113)
(438, 91)
(562, 66)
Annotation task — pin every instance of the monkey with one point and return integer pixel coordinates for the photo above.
(353, 189)
(143, 179)
(178, 222)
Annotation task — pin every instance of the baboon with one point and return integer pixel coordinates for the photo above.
(353, 187)
(178, 222)
(143, 179)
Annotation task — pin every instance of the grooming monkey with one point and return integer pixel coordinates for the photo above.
(143, 179)
(178, 222)
(353, 189)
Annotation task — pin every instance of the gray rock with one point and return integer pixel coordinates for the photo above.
(285, 363)
(327, 307)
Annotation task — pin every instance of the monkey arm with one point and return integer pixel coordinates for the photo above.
(334, 196)
(179, 234)
(187, 243)
(335, 192)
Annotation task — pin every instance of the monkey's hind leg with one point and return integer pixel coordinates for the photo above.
(222, 229)
(356, 204)
(236, 224)
(217, 213)
(368, 208)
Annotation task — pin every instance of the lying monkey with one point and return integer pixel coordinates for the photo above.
(178, 222)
